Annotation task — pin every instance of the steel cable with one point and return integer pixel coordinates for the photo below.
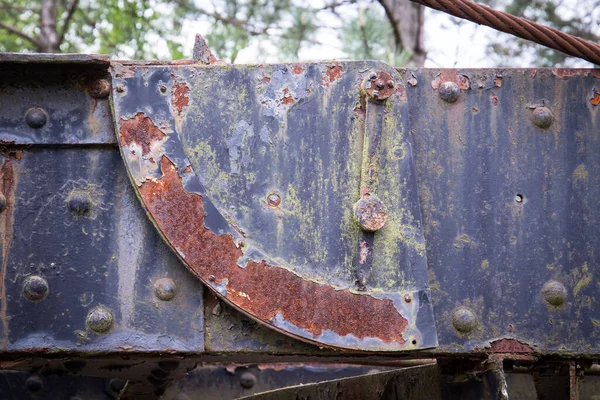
(523, 28)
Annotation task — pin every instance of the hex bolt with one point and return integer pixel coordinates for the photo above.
(247, 380)
(35, 288)
(2, 202)
(542, 117)
(164, 289)
(464, 320)
(36, 117)
(99, 89)
(449, 91)
(34, 383)
(370, 213)
(273, 200)
(554, 293)
(100, 319)
(79, 202)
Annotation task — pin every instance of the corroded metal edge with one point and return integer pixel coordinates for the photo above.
(50, 58)
(147, 131)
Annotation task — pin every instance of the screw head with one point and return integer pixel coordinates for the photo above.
(273, 200)
(79, 202)
(449, 91)
(542, 117)
(370, 213)
(100, 319)
(554, 293)
(464, 320)
(2, 202)
(247, 380)
(35, 288)
(34, 383)
(36, 117)
(164, 289)
(99, 89)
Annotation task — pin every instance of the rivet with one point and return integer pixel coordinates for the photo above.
(79, 202)
(34, 383)
(100, 89)
(36, 117)
(247, 380)
(464, 320)
(211, 278)
(380, 84)
(449, 91)
(391, 84)
(407, 298)
(35, 288)
(164, 288)
(100, 319)
(163, 88)
(2, 202)
(542, 117)
(372, 76)
(273, 200)
(554, 293)
(371, 213)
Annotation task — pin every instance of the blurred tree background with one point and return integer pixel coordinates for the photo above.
(278, 30)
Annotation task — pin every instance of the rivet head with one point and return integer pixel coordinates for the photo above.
(211, 278)
(2, 202)
(79, 202)
(390, 84)
(35, 288)
(163, 88)
(99, 89)
(247, 380)
(542, 117)
(449, 91)
(36, 117)
(34, 383)
(554, 293)
(100, 319)
(464, 320)
(407, 298)
(370, 213)
(273, 200)
(164, 289)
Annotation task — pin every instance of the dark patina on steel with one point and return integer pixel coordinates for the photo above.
(216, 248)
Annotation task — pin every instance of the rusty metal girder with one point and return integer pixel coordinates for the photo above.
(239, 169)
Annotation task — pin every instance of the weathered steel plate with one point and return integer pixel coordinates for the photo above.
(251, 174)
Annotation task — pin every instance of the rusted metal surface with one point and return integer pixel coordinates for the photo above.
(271, 280)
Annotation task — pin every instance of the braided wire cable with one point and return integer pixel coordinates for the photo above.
(523, 28)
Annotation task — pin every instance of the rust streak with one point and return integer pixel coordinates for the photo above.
(261, 289)
(7, 188)
(180, 99)
(141, 130)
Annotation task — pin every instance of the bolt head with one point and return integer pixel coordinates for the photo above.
(164, 289)
(554, 293)
(247, 380)
(273, 200)
(99, 89)
(370, 213)
(35, 288)
(542, 117)
(464, 320)
(449, 91)
(100, 319)
(36, 117)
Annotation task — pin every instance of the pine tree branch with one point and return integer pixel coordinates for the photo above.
(67, 21)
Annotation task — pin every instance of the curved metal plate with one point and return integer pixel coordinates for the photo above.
(251, 172)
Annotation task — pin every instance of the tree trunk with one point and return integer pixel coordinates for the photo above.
(48, 39)
(407, 19)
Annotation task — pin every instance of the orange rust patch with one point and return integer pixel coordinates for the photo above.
(494, 98)
(510, 346)
(180, 98)
(451, 75)
(141, 130)
(265, 79)
(567, 72)
(297, 69)
(259, 288)
(463, 82)
(595, 100)
(287, 97)
(498, 81)
(332, 73)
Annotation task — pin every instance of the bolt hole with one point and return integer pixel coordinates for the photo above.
(519, 198)
(414, 341)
